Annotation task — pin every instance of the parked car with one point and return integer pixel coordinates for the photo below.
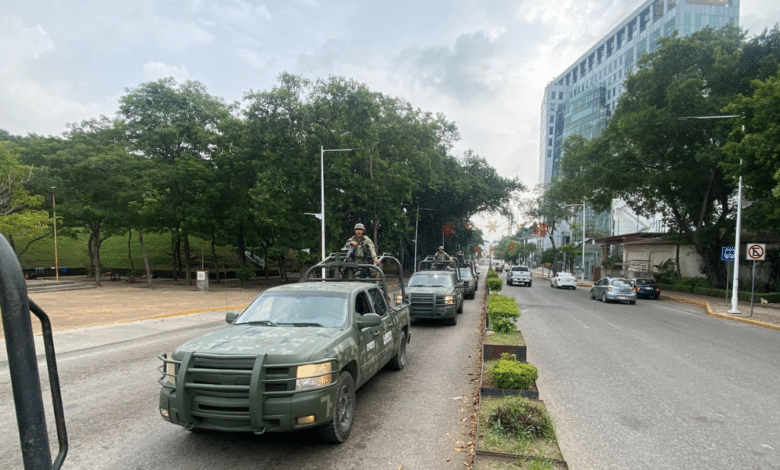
(566, 280)
(613, 289)
(646, 288)
(518, 275)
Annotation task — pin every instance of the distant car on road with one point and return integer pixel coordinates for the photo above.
(613, 289)
(518, 275)
(566, 280)
(646, 288)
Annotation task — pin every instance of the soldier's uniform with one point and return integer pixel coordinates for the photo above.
(365, 250)
(442, 255)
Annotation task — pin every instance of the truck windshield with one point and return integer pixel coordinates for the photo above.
(431, 281)
(297, 309)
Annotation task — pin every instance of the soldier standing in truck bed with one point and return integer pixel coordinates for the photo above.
(364, 247)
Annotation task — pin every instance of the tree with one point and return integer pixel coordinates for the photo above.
(20, 215)
(176, 126)
(656, 163)
(755, 153)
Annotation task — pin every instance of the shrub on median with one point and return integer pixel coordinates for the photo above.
(502, 312)
(508, 372)
(494, 284)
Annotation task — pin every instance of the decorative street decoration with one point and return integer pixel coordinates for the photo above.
(448, 229)
(492, 226)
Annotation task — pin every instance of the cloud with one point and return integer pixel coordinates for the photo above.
(459, 71)
(19, 42)
(155, 70)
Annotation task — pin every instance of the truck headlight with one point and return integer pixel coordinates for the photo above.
(311, 376)
(399, 299)
(449, 300)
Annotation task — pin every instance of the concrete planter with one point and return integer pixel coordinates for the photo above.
(492, 352)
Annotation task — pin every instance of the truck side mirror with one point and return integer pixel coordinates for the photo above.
(368, 320)
(231, 317)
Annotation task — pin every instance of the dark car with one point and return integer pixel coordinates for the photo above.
(646, 288)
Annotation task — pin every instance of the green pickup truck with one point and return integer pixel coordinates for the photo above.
(292, 359)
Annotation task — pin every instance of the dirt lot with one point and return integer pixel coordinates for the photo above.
(118, 302)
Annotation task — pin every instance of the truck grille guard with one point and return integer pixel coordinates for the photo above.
(230, 387)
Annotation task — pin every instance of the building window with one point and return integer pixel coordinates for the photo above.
(549, 153)
(551, 130)
(658, 10)
(552, 95)
(552, 119)
(560, 95)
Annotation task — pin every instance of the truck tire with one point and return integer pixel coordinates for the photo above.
(453, 321)
(399, 360)
(337, 431)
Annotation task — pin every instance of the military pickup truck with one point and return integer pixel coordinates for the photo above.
(293, 358)
(436, 291)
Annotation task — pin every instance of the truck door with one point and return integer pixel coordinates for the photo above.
(370, 340)
(389, 327)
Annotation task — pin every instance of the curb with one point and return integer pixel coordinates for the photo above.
(706, 306)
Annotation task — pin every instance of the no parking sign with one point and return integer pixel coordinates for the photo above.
(755, 252)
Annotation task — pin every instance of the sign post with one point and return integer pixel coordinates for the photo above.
(755, 252)
(727, 254)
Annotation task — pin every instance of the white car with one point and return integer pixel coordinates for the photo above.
(566, 280)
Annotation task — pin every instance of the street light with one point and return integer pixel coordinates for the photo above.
(321, 215)
(416, 222)
(735, 280)
(582, 275)
(54, 216)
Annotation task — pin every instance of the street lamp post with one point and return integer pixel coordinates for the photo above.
(54, 216)
(582, 275)
(322, 198)
(416, 222)
(735, 280)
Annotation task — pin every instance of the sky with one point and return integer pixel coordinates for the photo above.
(483, 64)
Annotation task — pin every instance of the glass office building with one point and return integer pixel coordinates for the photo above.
(581, 99)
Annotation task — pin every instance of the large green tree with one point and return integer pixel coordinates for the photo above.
(20, 212)
(176, 126)
(658, 163)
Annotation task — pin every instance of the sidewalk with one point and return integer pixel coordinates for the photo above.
(765, 315)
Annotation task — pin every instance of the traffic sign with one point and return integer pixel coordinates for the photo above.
(756, 252)
(727, 253)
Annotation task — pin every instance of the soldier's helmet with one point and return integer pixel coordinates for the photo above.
(360, 226)
(441, 248)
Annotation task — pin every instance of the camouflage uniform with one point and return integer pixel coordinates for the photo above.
(365, 250)
(442, 255)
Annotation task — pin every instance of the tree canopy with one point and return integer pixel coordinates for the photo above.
(177, 159)
(657, 157)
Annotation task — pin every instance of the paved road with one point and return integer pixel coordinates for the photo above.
(657, 385)
(417, 418)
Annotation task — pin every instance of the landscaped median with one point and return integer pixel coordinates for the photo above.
(514, 430)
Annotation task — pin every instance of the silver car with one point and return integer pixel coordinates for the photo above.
(613, 289)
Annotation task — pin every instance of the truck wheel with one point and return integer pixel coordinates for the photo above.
(460, 309)
(453, 321)
(529, 283)
(399, 361)
(337, 431)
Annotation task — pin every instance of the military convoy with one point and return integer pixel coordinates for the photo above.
(293, 359)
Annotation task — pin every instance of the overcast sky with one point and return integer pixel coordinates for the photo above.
(484, 64)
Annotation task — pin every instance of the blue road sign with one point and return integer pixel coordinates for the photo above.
(727, 253)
